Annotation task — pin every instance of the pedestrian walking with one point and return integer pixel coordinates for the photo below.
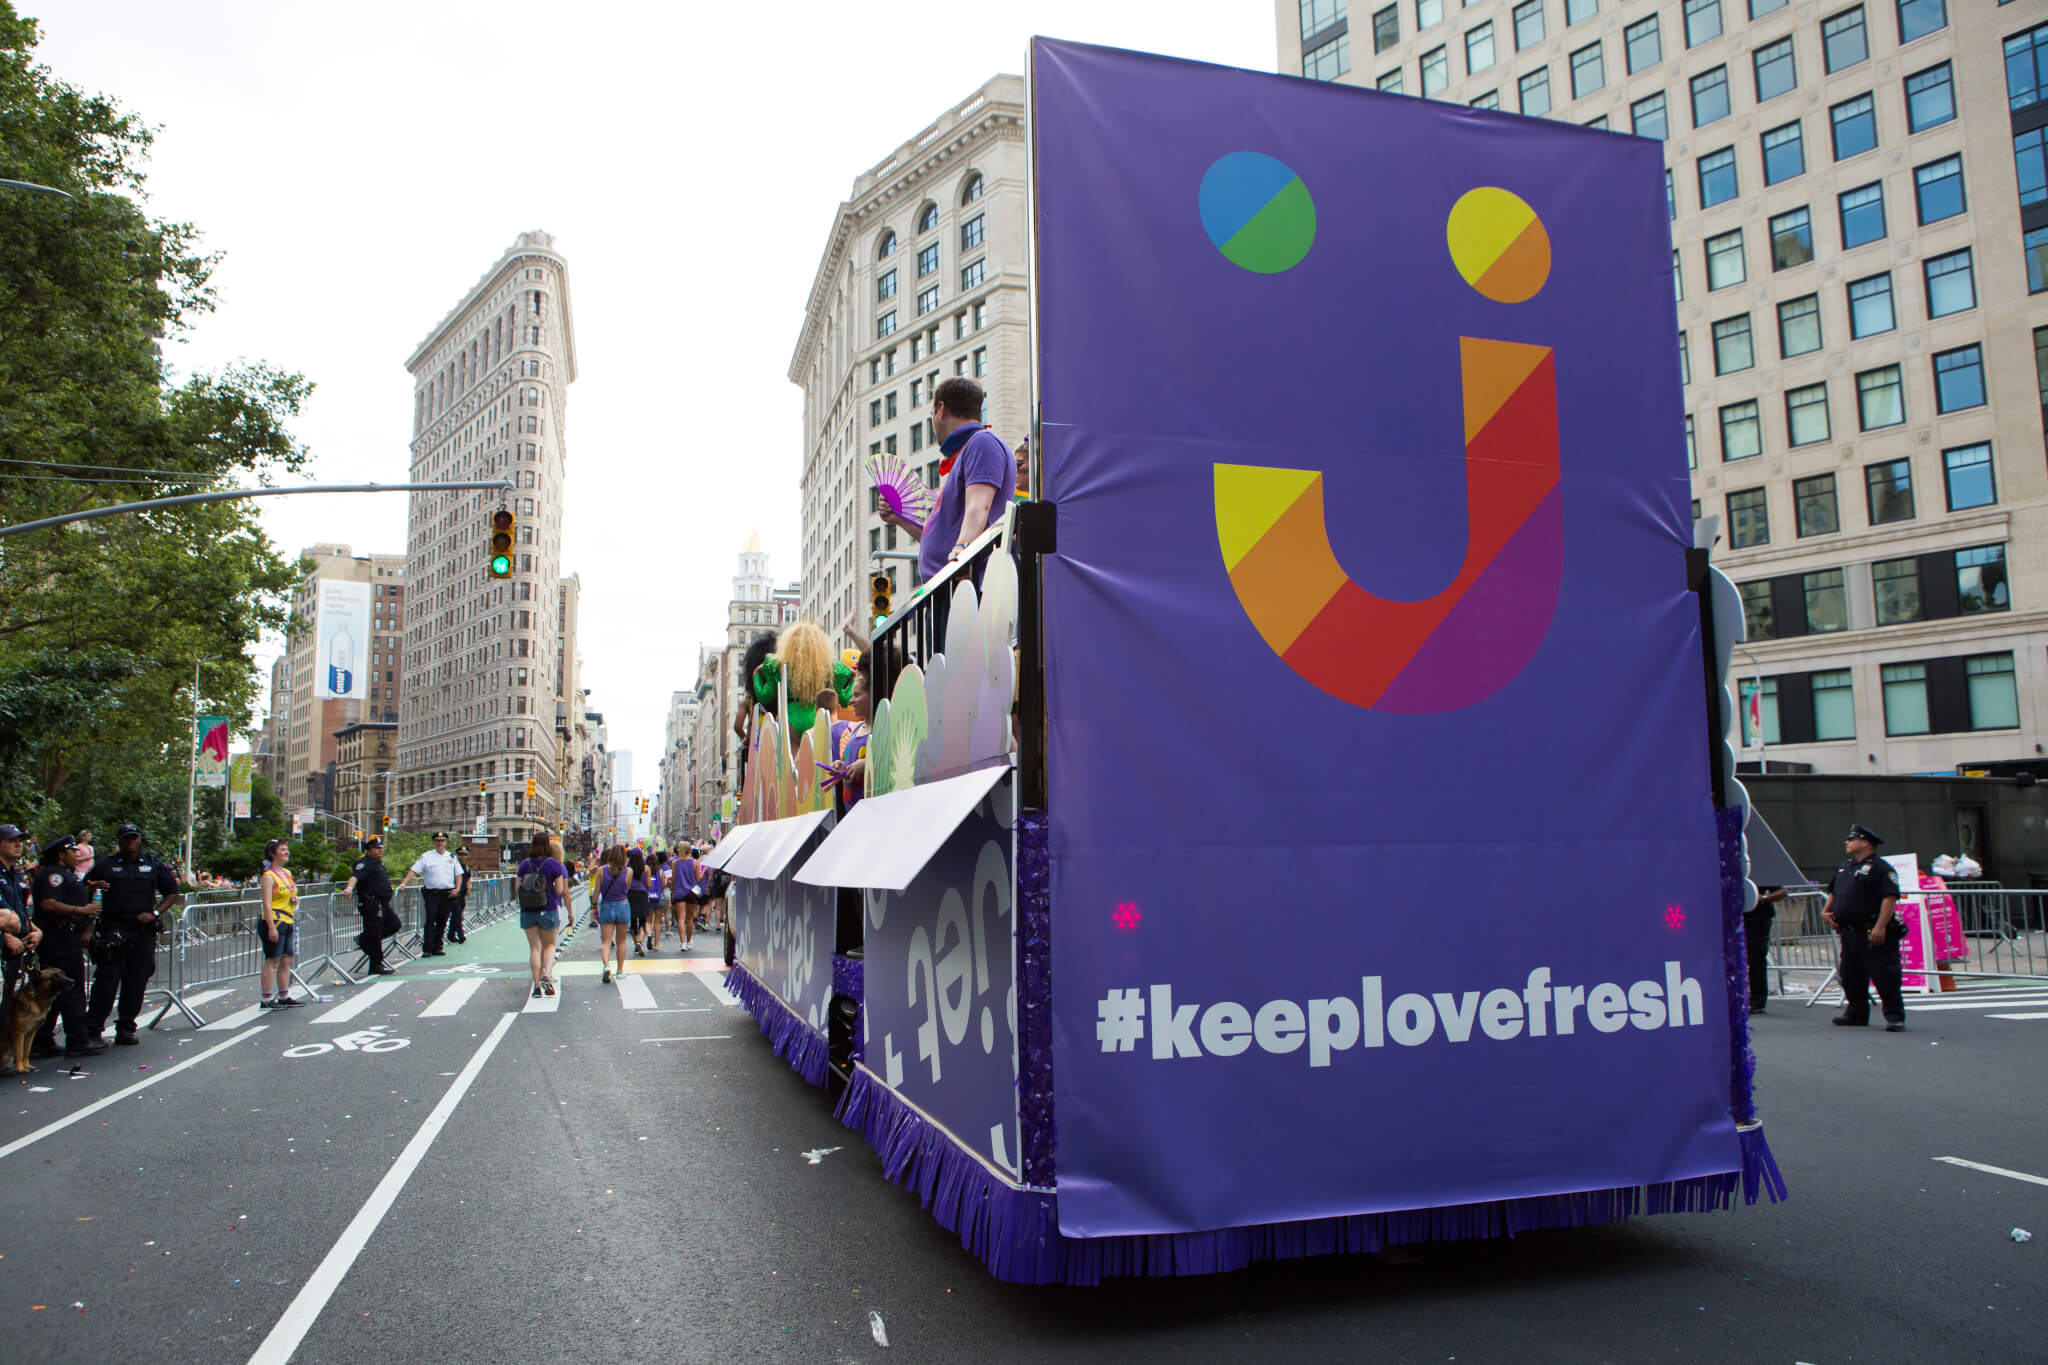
(1756, 937)
(18, 933)
(1862, 908)
(636, 898)
(369, 881)
(438, 872)
(458, 900)
(614, 913)
(140, 891)
(277, 900)
(63, 911)
(686, 893)
(543, 887)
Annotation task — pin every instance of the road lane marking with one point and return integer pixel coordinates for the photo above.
(206, 997)
(543, 1004)
(237, 1019)
(2016, 1016)
(2002, 1002)
(298, 1319)
(453, 999)
(1994, 1170)
(686, 1009)
(357, 1003)
(39, 1134)
(695, 1038)
(718, 992)
(634, 993)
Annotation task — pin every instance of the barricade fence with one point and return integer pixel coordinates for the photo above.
(2004, 930)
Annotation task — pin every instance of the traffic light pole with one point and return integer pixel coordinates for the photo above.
(228, 495)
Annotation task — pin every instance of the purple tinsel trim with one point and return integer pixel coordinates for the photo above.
(849, 978)
(1016, 1233)
(806, 1051)
(1759, 1167)
(1034, 997)
(1735, 967)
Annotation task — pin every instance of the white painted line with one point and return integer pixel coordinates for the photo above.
(542, 1004)
(238, 1018)
(298, 1319)
(39, 1134)
(2006, 1002)
(357, 1003)
(687, 1009)
(2016, 1016)
(454, 998)
(718, 991)
(699, 1038)
(206, 997)
(1994, 1170)
(634, 995)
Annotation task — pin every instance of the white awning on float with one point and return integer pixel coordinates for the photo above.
(773, 844)
(725, 849)
(885, 841)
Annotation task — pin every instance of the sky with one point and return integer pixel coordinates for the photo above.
(359, 167)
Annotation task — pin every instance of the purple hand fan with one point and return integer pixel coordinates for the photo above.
(901, 488)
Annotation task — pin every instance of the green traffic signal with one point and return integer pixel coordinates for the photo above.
(501, 565)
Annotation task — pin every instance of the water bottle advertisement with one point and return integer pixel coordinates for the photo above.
(342, 660)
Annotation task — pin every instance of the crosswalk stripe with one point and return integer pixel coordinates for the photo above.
(454, 998)
(357, 1003)
(2016, 1016)
(205, 997)
(543, 1004)
(634, 993)
(2006, 1003)
(237, 1019)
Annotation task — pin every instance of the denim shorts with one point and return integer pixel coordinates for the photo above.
(287, 944)
(614, 912)
(540, 919)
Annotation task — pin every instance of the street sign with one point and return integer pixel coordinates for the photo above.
(483, 828)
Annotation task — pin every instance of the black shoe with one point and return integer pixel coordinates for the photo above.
(1894, 1026)
(91, 1047)
(383, 971)
(45, 1050)
(1758, 1009)
(1846, 1022)
(126, 1038)
(607, 981)
(433, 952)
(289, 1002)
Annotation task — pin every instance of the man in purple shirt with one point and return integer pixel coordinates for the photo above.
(979, 476)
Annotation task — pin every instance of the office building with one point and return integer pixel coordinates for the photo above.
(305, 763)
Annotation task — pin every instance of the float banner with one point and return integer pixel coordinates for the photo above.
(211, 759)
(1363, 418)
(783, 934)
(341, 654)
(241, 785)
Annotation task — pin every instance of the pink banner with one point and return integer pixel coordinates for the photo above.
(1944, 920)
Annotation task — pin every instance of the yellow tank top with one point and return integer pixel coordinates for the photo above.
(284, 895)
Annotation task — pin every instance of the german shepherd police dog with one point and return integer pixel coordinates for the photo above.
(33, 998)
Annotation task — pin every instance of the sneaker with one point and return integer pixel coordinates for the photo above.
(548, 986)
(1895, 1026)
(266, 1004)
(536, 991)
(289, 1002)
(607, 979)
(383, 971)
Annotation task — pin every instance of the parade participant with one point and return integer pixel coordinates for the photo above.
(1023, 453)
(636, 898)
(277, 899)
(686, 891)
(140, 890)
(614, 915)
(758, 650)
(1861, 908)
(458, 899)
(1756, 930)
(805, 656)
(979, 476)
(850, 737)
(541, 925)
(18, 933)
(438, 872)
(369, 882)
(63, 912)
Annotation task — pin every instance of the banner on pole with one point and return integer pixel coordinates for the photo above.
(341, 651)
(241, 785)
(212, 759)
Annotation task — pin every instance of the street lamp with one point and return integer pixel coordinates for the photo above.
(30, 188)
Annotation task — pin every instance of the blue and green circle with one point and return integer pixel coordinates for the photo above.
(1258, 212)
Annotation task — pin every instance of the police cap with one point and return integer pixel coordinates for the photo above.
(1865, 833)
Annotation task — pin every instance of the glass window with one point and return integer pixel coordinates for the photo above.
(1759, 8)
(887, 248)
(1994, 695)
(1766, 710)
(1905, 699)
(1670, 191)
(1589, 70)
(1959, 379)
(1684, 359)
(1647, 117)
(1428, 13)
(2026, 67)
(885, 325)
(1717, 177)
(971, 275)
(1806, 419)
(1749, 521)
(1930, 98)
(928, 219)
(1646, 46)
(1784, 153)
(1776, 73)
(2030, 164)
(1918, 18)
(927, 259)
(1489, 100)
(1702, 21)
(1834, 704)
(1897, 586)
(1528, 24)
(1951, 284)
(1692, 457)
(1578, 11)
(1827, 605)
(1436, 72)
(1938, 189)
(1479, 48)
(1317, 15)
(1390, 81)
(927, 300)
(1970, 478)
(1843, 39)
(885, 287)
(1677, 277)
(1757, 619)
(1600, 121)
(1328, 62)
(1980, 580)
(1889, 487)
(973, 232)
(1724, 260)
(1535, 88)
(1862, 211)
(1815, 500)
(1799, 326)
(1386, 28)
(1870, 306)
(1880, 398)
(1710, 97)
(1855, 126)
(1733, 351)
(1741, 434)
(1791, 239)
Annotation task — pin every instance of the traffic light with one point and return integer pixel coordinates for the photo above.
(879, 584)
(483, 788)
(503, 524)
(529, 789)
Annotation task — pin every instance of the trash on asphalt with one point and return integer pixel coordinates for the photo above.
(817, 1155)
(875, 1325)
(2022, 1235)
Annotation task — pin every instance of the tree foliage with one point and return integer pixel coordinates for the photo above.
(101, 621)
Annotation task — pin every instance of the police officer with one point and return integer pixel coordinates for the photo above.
(64, 912)
(1861, 907)
(370, 883)
(140, 890)
(18, 934)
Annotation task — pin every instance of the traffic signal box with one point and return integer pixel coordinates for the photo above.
(503, 528)
(529, 788)
(879, 585)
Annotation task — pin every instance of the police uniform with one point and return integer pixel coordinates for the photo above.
(1860, 889)
(14, 897)
(373, 899)
(63, 947)
(134, 888)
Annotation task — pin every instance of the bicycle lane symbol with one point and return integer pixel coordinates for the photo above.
(363, 1040)
(466, 969)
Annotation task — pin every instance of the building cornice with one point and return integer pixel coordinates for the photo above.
(531, 246)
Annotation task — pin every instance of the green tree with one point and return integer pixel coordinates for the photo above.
(101, 621)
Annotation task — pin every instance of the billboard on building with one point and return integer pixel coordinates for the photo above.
(341, 654)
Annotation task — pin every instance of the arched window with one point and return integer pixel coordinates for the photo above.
(971, 191)
(927, 217)
(887, 247)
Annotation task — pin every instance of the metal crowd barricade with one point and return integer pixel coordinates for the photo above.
(2004, 930)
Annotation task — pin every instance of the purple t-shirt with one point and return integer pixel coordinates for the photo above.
(983, 458)
(551, 869)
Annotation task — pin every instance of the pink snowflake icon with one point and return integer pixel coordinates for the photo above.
(1126, 917)
(1674, 918)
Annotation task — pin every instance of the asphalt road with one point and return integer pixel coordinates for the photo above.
(610, 1183)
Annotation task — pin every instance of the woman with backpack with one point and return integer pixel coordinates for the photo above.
(543, 886)
(614, 913)
(657, 899)
(636, 899)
